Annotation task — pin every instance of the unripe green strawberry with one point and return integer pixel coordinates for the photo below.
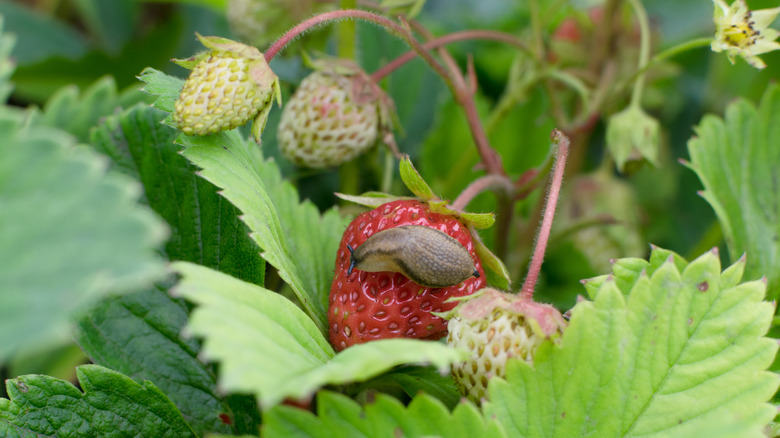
(496, 327)
(229, 85)
(334, 116)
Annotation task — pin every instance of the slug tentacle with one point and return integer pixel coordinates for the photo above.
(352, 260)
(425, 255)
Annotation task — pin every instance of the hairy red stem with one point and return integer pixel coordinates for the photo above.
(549, 213)
(465, 35)
(479, 185)
(395, 29)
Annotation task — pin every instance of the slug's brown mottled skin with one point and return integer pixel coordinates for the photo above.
(425, 255)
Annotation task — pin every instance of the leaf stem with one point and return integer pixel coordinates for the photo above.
(346, 33)
(465, 35)
(401, 32)
(671, 52)
(529, 284)
(487, 182)
(644, 51)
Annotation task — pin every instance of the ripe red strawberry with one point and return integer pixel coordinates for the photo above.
(366, 306)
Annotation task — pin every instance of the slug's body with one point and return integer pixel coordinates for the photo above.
(425, 255)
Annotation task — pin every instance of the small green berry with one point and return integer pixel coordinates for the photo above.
(496, 327)
(333, 117)
(229, 86)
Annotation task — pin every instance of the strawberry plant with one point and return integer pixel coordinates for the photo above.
(396, 218)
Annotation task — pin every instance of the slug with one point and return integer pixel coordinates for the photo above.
(424, 255)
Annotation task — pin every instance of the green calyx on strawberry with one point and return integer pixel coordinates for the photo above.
(336, 114)
(494, 327)
(229, 85)
(366, 306)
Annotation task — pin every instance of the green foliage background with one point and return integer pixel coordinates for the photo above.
(222, 209)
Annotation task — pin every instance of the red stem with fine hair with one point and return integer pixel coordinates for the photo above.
(395, 29)
(549, 213)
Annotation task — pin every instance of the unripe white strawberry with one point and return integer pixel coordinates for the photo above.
(496, 327)
(229, 85)
(334, 116)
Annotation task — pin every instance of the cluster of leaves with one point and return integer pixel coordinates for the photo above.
(98, 193)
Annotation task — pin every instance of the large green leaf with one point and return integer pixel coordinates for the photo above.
(413, 380)
(383, 417)
(299, 242)
(77, 113)
(112, 405)
(69, 233)
(672, 353)
(139, 334)
(736, 160)
(206, 228)
(269, 347)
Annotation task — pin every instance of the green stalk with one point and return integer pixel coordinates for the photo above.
(644, 51)
(347, 30)
(349, 172)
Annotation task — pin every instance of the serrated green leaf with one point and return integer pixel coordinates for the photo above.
(59, 361)
(736, 160)
(111, 405)
(363, 361)
(495, 270)
(414, 380)
(270, 348)
(69, 233)
(77, 113)
(382, 417)
(165, 88)
(206, 228)
(479, 220)
(371, 199)
(632, 364)
(414, 181)
(139, 334)
(659, 256)
(627, 271)
(299, 242)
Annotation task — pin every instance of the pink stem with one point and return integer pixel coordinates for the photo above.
(342, 14)
(558, 137)
(465, 35)
(489, 181)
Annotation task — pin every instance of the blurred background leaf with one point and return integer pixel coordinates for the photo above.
(70, 232)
